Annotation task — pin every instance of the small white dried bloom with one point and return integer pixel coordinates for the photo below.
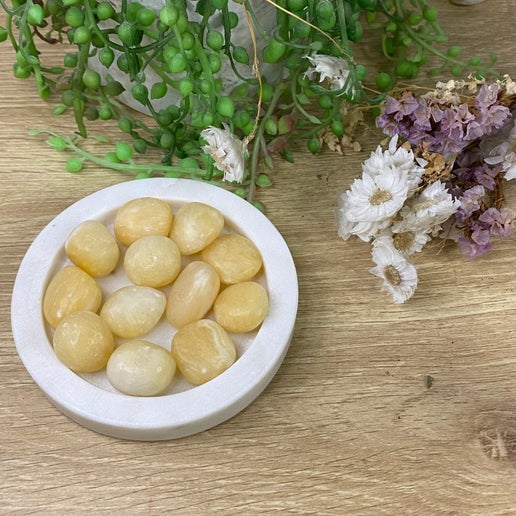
(432, 207)
(378, 198)
(227, 151)
(335, 69)
(344, 225)
(509, 85)
(401, 158)
(398, 274)
(444, 92)
(406, 239)
(365, 230)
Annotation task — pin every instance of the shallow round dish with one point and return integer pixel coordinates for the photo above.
(184, 409)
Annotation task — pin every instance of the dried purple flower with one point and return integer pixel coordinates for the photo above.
(471, 249)
(470, 202)
(499, 221)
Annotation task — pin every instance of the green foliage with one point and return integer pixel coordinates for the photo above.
(192, 57)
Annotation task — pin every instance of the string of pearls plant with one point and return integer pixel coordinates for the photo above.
(222, 85)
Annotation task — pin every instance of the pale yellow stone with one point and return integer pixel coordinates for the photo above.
(192, 294)
(140, 368)
(93, 248)
(70, 290)
(153, 261)
(195, 226)
(202, 350)
(83, 342)
(142, 217)
(134, 310)
(241, 307)
(234, 257)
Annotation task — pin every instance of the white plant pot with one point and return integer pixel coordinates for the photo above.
(241, 36)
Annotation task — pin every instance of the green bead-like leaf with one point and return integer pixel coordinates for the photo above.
(274, 51)
(263, 180)
(59, 109)
(158, 90)
(57, 143)
(140, 93)
(74, 165)
(123, 151)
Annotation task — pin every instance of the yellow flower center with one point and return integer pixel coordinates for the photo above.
(403, 241)
(392, 275)
(379, 197)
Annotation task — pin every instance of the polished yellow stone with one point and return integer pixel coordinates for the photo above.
(192, 294)
(142, 217)
(234, 257)
(202, 350)
(140, 368)
(241, 307)
(93, 248)
(153, 261)
(83, 342)
(70, 290)
(195, 226)
(134, 310)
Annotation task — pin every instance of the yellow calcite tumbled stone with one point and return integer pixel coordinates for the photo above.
(153, 261)
(83, 342)
(192, 294)
(93, 248)
(241, 307)
(70, 290)
(142, 217)
(202, 350)
(195, 226)
(140, 368)
(134, 310)
(234, 257)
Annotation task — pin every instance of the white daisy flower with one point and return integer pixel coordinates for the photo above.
(401, 158)
(405, 239)
(344, 225)
(431, 208)
(365, 230)
(368, 230)
(335, 69)
(227, 151)
(398, 274)
(378, 198)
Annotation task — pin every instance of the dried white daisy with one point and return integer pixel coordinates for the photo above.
(227, 151)
(378, 198)
(431, 208)
(344, 225)
(405, 239)
(401, 158)
(365, 230)
(398, 274)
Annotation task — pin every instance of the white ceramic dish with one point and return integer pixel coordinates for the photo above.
(184, 409)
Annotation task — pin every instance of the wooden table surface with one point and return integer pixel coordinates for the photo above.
(350, 423)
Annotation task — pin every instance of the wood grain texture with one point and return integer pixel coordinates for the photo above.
(352, 423)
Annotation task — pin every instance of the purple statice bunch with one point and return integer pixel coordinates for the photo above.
(442, 120)
(480, 217)
(475, 133)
